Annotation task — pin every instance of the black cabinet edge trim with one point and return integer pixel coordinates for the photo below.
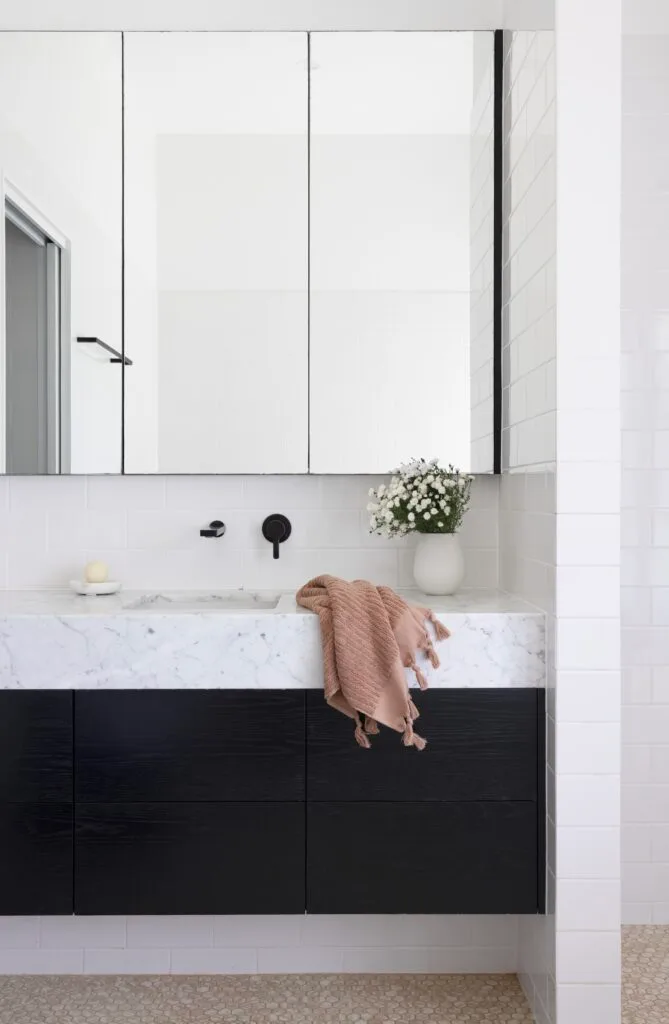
(74, 779)
(541, 801)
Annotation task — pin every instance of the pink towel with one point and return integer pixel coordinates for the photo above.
(369, 636)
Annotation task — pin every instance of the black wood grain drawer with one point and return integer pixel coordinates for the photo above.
(35, 746)
(482, 745)
(189, 858)
(422, 858)
(153, 745)
(36, 858)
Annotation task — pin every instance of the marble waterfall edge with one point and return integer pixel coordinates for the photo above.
(51, 644)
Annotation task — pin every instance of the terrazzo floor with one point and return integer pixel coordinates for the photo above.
(645, 974)
(321, 998)
(261, 999)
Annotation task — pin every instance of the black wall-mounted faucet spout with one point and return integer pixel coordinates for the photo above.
(276, 529)
(216, 528)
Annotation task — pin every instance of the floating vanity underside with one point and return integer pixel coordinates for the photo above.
(186, 763)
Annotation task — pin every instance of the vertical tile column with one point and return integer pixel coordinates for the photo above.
(587, 636)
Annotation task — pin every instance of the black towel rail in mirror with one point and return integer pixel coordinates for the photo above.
(115, 355)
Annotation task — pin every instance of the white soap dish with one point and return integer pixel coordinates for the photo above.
(95, 589)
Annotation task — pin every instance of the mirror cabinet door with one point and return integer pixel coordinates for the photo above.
(60, 261)
(216, 252)
(390, 249)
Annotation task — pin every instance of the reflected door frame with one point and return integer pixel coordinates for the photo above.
(58, 277)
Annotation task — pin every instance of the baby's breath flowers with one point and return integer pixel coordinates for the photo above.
(420, 497)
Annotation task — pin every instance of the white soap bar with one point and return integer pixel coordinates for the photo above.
(96, 572)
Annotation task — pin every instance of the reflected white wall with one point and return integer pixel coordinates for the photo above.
(390, 193)
(216, 252)
(60, 146)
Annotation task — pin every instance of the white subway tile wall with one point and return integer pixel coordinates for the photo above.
(527, 495)
(147, 529)
(586, 708)
(265, 945)
(482, 235)
(645, 482)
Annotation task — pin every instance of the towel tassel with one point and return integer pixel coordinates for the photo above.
(371, 726)
(412, 739)
(432, 655)
(442, 633)
(410, 662)
(413, 710)
(360, 736)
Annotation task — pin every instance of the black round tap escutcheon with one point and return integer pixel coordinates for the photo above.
(276, 529)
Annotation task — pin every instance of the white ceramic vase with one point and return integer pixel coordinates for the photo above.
(439, 565)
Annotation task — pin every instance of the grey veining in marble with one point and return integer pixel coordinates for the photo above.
(134, 641)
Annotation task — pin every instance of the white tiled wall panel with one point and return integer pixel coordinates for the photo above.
(645, 482)
(586, 707)
(147, 529)
(528, 494)
(265, 945)
(559, 499)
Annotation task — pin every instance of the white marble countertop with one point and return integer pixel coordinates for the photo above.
(59, 640)
(231, 602)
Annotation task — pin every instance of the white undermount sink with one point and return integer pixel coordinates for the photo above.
(195, 601)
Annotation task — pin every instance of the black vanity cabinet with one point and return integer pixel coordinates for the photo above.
(244, 802)
(454, 829)
(189, 802)
(36, 844)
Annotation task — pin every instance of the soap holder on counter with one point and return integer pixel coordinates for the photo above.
(95, 589)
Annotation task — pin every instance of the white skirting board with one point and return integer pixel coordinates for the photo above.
(369, 944)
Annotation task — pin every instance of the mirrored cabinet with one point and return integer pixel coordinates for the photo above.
(239, 252)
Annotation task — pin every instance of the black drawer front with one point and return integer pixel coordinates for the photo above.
(35, 746)
(153, 745)
(422, 858)
(482, 745)
(36, 858)
(189, 858)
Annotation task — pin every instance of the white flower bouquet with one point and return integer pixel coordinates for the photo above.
(422, 498)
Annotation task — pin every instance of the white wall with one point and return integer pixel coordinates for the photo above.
(299, 15)
(559, 532)
(60, 147)
(528, 494)
(147, 528)
(645, 478)
(406, 944)
(529, 14)
(587, 640)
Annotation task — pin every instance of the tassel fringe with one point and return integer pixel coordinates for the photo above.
(420, 678)
(360, 736)
(441, 632)
(412, 739)
(371, 726)
(432, 655)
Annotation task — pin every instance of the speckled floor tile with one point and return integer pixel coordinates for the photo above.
(646, 974)
(265, 999)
